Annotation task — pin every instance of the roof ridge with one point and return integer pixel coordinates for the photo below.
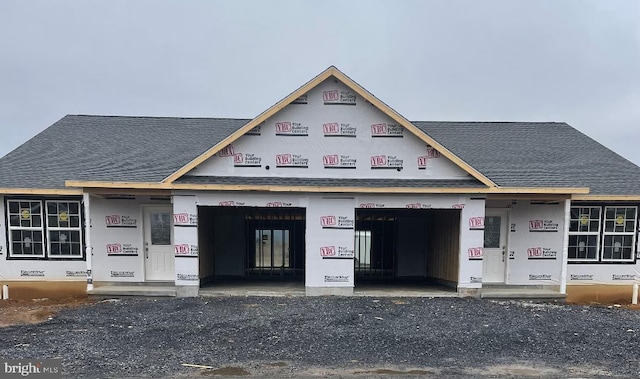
(161, 117)
(493, 122)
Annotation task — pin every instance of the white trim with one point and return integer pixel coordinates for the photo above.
(565, 247)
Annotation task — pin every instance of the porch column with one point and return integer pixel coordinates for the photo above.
(87, 239)
(565, 247)
(185, 240)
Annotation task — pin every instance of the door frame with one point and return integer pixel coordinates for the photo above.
(145, 208)
(506, 213)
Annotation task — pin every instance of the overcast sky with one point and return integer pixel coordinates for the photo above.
(573, 61)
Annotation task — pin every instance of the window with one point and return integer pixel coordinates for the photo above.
(63, 228)
(53, 232)
(584, 233)
(25, 228)
(602, 234)
(619, 234)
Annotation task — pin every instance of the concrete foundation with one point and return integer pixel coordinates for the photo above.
(187, 291)
(329, 291)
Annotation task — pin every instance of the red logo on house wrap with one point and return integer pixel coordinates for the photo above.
(227, 204)
(274, 204)
(328, 220)
(114, 248)
(534, 252)
(536, 224)
(331, 128)
(226, 151)
(432, 153)
(476, 222)
(457, 206)
(113, 220)
(182, 249)
(422, 161)
(238, 158)
(181, 218)
(367, 205)
(378, 160)
(330, 160)
(330, 95)
(475, 253)
(378, 129)
(283, 127)
(284, 159)
(327, 251)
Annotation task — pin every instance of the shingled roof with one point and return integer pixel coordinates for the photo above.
(148, 149)
(537, 154)
(111, 148)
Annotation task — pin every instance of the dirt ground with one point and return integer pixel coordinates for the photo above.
(33, 311)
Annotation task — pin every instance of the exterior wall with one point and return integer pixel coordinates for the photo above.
(622, 274)
(35, 269)
(330, 221)
(535, 243)
(117, 238)
(299, 141)
(185, 234)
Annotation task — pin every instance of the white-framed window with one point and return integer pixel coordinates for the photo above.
(26, 229)
(584, 234)
(64, 234)
(619, 234)
(44, 229)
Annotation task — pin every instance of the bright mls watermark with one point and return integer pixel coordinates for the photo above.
(31, 368)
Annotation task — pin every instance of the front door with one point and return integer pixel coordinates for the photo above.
(495, 246)
(159, 255)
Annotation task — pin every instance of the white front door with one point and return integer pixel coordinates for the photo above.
(495, 246)
(159, 261)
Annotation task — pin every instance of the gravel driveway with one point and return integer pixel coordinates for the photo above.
(333, 336)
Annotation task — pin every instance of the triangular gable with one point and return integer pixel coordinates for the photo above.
(330, 72)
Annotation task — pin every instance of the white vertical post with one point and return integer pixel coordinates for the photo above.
(87, 239)
(565, 246)
(5, 292)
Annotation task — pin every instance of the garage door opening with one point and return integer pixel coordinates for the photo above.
(407, 245)
(251, 243)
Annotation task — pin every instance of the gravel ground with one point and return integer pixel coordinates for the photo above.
(333, 336)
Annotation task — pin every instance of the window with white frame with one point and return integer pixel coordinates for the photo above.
(584, 233)
(619, 234)
(53, 232)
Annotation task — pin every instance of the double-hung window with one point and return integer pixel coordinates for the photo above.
(619, 234)
(584, 233)
(44, 229)
(602, 234)
(63, 229)
(26, 231)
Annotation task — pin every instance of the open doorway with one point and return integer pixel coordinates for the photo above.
(239, 244)
(407, 246)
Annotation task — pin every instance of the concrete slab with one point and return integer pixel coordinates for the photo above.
(521, 293)
(271, 289)
(135, 290)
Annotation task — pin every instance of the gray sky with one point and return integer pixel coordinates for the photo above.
(573, 61)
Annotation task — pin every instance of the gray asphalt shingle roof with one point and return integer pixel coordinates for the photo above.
(111, 148)
(537, 154)
(148, 149)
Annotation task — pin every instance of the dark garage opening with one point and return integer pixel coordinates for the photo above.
(251, 243)
(407, 245)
